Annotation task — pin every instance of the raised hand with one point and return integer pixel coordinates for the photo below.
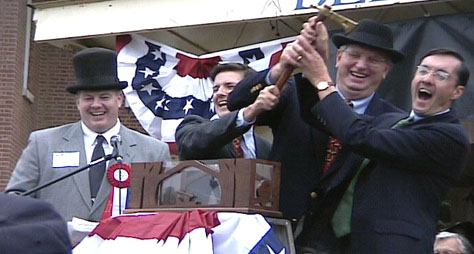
(267, 99)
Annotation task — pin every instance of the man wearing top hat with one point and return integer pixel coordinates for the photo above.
(364, 58)
(54, 152)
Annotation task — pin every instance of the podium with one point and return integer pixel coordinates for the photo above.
(226, 185)
(238, 185)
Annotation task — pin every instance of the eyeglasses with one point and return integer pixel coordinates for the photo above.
(440, 75)
(355, 55)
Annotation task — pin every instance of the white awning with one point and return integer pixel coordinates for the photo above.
(99, 18)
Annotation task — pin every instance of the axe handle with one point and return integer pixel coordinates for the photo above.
(286, 73)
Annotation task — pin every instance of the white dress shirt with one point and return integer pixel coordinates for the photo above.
(90, 139)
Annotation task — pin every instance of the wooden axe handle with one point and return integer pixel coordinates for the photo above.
(285, 75)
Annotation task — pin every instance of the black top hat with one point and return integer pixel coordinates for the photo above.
(96, 70)
(371, 34)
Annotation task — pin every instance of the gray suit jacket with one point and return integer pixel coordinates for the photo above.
(71, 196)
(201, 139)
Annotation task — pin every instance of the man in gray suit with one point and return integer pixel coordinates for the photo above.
(54, 152)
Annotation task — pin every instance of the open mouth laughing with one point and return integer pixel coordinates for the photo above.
(222, 103)
(424, 94)
(358, 75)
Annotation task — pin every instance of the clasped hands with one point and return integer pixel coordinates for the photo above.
(309, 52)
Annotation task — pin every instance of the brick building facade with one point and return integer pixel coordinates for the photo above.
(50, 71)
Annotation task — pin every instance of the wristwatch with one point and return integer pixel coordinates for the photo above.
(323, 85)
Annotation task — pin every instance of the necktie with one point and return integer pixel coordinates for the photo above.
(404, 122)
(96, 173)
(341, 220)
(236, 142)
(333, 148)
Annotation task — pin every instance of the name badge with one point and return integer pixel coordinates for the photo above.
(65, 159)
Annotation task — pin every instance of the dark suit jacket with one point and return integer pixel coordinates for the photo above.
(201, 139)
(299, 146)
(293, 142)
(29, 225)
(397, 196)
(328, 191)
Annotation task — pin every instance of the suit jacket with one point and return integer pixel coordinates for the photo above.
(299, 146)
(397, 196)
(328, 191)
(71, 196)
(32, 226)
(201, 139)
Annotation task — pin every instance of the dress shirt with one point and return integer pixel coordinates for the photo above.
(90, 139)
(360, 105)
(419, 117)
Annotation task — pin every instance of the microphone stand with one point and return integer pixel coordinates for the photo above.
(115, 141)
(93, 163)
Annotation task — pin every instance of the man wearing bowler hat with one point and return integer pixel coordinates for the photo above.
(54, 152)
(310, 156)
(398, 165)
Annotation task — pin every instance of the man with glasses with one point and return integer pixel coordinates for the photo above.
(402, 164)
(363, 60)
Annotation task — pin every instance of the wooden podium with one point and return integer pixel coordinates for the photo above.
(237, 185)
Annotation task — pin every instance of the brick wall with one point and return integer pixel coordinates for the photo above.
(50, 72)
(16, 113)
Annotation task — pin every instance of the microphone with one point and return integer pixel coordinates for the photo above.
(115, 141)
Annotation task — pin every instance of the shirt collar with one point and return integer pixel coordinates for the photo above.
(90, 136)
(419, 117)
(359, 105)
(214, 117)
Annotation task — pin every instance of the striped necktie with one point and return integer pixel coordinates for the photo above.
(333, 148)
(404, 122)
(237, 144)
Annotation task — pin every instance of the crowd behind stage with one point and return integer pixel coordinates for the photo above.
(359, 175)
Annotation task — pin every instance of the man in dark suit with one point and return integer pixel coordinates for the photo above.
(402, 165)
(31, 226)
(55, 152)
(300, 148)
(200, 138)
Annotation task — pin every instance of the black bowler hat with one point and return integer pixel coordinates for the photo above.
(96, 70)
(370, 34)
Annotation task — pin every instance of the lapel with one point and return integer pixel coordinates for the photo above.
(375, 106)
(339, 170)
(227, 151)
(449, 117)
(74, 141)
(126, 150)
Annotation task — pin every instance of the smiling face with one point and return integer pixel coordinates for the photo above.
(435, 85)
(99, 110)
(224, 83)
(360, 70)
